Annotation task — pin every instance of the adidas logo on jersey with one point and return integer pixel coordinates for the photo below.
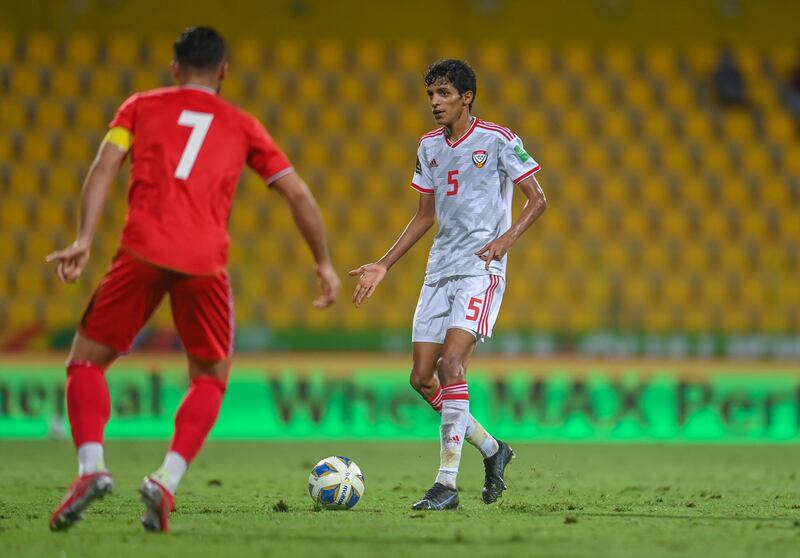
(433, 163)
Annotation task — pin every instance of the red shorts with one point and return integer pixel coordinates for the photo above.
(202, 307)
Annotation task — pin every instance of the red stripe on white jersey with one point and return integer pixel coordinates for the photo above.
(422, 190)
(505, 132)
(527, 174)
(464, 137)
(483, 324)
(432, 134)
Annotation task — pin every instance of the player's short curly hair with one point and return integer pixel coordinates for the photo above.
(457, 72)
(199, 48)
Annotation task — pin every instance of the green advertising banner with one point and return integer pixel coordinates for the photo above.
(374, 403)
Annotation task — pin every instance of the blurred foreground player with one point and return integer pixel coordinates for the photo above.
(466, 173)
(188, 148)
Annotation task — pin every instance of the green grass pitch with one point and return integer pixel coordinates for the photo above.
(563, 500)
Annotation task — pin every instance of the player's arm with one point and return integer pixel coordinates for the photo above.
(373, 273)
(308, 218)
(71, 261)
(534, 207)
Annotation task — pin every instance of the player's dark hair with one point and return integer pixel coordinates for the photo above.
(199, 48)
(457, 72)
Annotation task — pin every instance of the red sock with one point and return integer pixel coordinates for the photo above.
(436, 400)
(88, 402)
(196, 415)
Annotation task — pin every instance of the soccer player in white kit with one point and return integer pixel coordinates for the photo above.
(466, 173)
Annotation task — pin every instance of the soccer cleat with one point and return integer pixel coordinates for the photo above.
(158, 504)
(439, 497)
(495, 467)
(82, 492)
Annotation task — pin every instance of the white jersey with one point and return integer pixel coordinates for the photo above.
(473, 181)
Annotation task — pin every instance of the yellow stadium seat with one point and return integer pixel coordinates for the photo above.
(535, 59)
(716, 157)
(51, 114)
(738, 126)
(555, 91)
(679, 94)
(370, 55)
(330, 54)
(780, 128)
(757, 159)
(105, 83)
(77, 147)
(145, 79)
(310, 87)
(514, 92)
(701, 58)
(635, 157)
(416, 122)
(639, 93)
(248, 53)
(64, 82)
(24, 179)
(26, 81)
(372, 121)
(491, 57)
(352, 87)
(577, 59)
(14, 213)
(676, 158)
(392, 89)
(575, 124)
(595, 156)
(90, 116)
(21, 312)
(37, 147)
(7, 147)
(616, 125)
(597, 92)
(411, 56)
(289, 54)
(122, 50)
(661, 61)
(81, 49)
(40, 48)
(64, 180)
(7, 47)
(658, 125)
(160, 50)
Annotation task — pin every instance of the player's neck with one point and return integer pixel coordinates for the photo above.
(460, 127)
(202, 84)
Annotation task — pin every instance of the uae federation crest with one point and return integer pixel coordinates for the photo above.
(479, 158)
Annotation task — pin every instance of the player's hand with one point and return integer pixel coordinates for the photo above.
(328, 285)
(369, 276)
(495, 250)
(70, 261)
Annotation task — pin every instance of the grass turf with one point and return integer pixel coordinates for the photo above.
(563, 500)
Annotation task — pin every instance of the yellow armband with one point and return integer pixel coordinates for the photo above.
(119, 136)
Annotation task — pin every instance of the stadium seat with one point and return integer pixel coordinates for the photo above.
(40, 49)
(80, 50)
(122, 50)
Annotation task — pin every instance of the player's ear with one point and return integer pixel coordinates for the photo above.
(223, 71)
(467, 98)
(175, 69)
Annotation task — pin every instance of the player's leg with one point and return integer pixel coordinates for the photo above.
(122, 303)
(451, 369)
(475, 309)
(425, 381)
(202, 308)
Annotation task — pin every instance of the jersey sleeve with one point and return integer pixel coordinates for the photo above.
(264, 156)
(422, 181)
(126, 115)
(516, 162)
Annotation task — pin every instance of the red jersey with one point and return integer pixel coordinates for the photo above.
(189, 149)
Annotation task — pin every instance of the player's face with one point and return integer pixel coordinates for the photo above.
(447, 104)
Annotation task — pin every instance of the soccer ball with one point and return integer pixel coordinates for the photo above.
(336, 483)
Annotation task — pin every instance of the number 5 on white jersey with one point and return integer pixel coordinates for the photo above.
(199, 122)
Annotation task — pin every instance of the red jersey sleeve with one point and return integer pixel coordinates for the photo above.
(125, 114)
(264, 156)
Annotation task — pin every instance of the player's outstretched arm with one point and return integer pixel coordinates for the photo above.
(308, 218)
(71, 261)
(373, 273)
(534, 207)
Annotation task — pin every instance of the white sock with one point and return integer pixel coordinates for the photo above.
(90, 458)
(455, 415)
(478, 437)
(171, 471)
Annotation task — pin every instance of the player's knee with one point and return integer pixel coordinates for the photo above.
(451, 370)
(421, 381)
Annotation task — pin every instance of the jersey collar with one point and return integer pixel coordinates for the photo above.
(199, 88)
(465, 136)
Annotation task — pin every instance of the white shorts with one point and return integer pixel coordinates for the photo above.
(471, 303)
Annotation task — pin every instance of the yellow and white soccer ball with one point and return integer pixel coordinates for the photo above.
(336, 483)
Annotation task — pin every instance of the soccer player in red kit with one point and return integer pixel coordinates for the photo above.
(188, 148)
